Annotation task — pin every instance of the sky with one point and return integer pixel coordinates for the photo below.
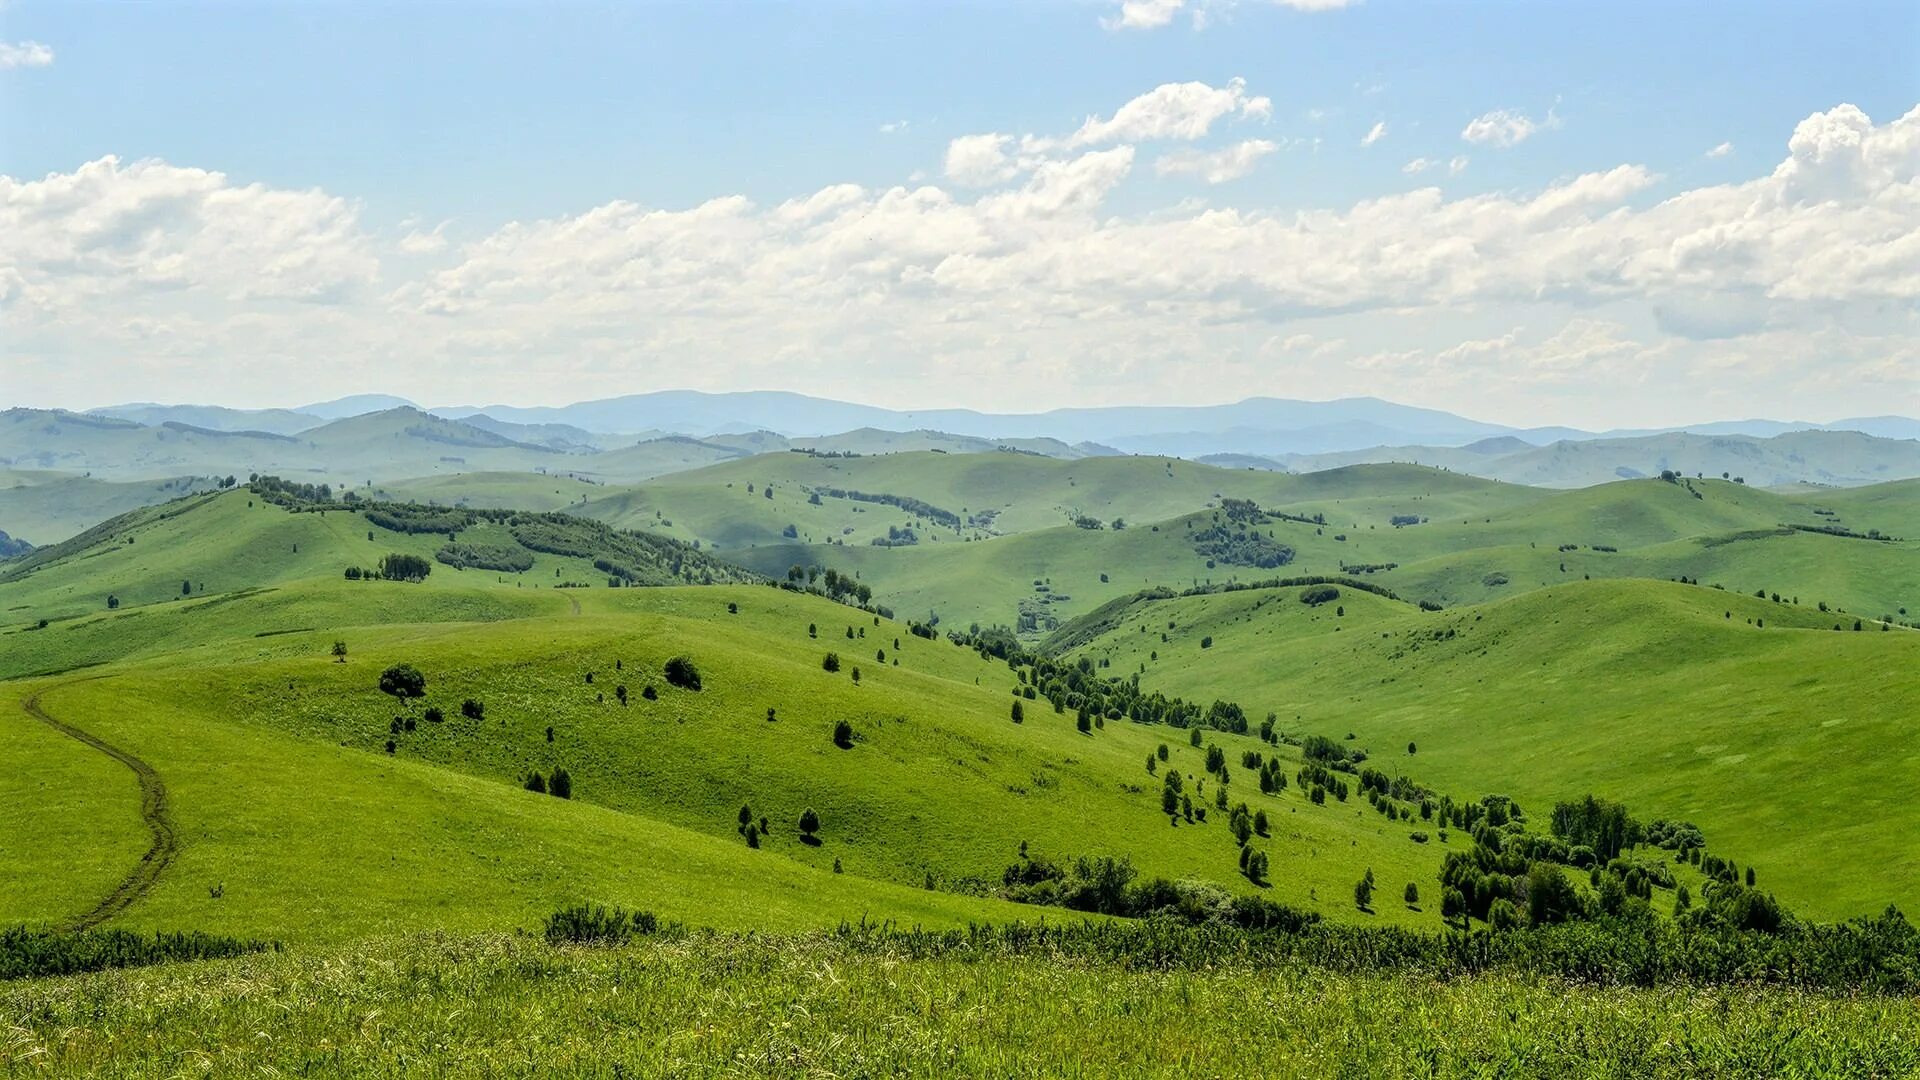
(1619, 214)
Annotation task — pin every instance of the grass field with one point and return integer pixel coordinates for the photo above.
(729, 1006)
(1786, 742)
(391, 845)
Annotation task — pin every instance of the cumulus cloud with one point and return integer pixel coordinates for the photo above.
(1173, 111)
(980, 160)
(24, 54)
(1037, 282)
(1218, 166)
(1506, 127)
(1374, 134)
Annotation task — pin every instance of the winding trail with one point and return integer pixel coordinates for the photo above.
(154, 810)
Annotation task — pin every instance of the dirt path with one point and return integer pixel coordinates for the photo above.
(576, 604)
(154, 810)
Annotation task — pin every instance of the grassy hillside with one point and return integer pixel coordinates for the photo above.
(938, 785)
(47, 507)
(225, 543)
(1786, 741)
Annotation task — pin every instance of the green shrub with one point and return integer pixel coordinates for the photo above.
(404, 681)
(592, 924)
(680, 672)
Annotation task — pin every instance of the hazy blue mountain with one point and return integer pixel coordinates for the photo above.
(214, 417)
(355, 405)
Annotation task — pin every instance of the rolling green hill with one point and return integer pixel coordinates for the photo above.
(223, 758)
(248, 716)
(1787, 740)
(47, 507)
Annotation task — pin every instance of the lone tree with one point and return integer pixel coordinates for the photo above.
(809, 825)
(682, 673)
(1019, 714)
(1413, 895)
(403, 681)
(1363, 892)
(843, 735)
(831, 662)
(340, 651)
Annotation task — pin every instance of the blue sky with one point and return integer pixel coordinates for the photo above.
(469, 118)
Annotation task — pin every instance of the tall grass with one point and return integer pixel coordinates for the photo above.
(821, 1005)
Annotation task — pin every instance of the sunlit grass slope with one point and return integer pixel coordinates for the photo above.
(1789, 743)
(275, 754)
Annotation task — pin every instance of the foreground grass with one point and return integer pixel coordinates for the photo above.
(710, 1005)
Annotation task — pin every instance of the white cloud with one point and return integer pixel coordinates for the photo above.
(1721, 151)
(1457, 165)
(24, 54)
(1173, 111)
(980, 160)
(1153, 14)
(893, 127)
(1374, 134)
(423, 243)
(925, 291)
(1218, 166)
(1418, 165)
(1144, 14)
(1506, 127)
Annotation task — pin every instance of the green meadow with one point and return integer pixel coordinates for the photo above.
(1034, 721)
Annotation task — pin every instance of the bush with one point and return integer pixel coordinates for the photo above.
(1315, 595)
(472, 709)
(681, 673)
(403, 567)
(591, 924)
(434, 715)
(403, 681)
(843, 735)
(27, 953)
(561, 784)
(809, 825)
(536, 782)
(831, 662)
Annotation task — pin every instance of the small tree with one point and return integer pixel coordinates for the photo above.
(809, 825)
(340, 651)
(186, 588)
(753, 835)
(831, 662)
(1260, 822)
(473, 710)
(843, 734)
(1413, 895)
(1019, 714)
(681, 673)
(650, 693)
(1363, 892)
(561, 784)
(620, 692)
(536, 782)
(403, 681)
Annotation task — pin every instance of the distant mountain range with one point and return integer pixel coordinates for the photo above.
(1266, 427)
(57, 468)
